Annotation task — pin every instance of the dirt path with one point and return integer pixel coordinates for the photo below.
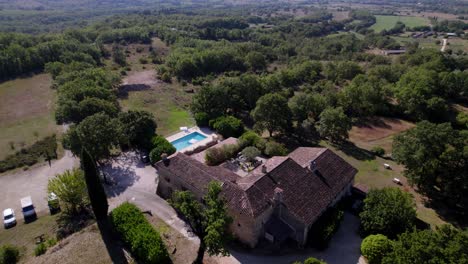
(444, 45)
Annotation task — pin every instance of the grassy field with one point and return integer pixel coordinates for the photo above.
(26, 112)
(167, 101)
(372, 172)
(23, 235)
(387, 22)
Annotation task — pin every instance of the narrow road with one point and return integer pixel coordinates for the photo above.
(134, 182)
(444, 45)
(32, 182)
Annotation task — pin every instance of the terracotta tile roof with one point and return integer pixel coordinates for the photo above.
(196, 175)
(303, 156)
(305, 193)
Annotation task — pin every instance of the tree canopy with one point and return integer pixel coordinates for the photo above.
(387, 211)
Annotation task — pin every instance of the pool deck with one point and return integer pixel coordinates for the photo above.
(208, 133)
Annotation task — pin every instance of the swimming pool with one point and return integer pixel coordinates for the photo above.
(187, 140)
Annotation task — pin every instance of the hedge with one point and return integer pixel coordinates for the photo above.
(160, 146)
(139, 235)
(216, 156)
(45, 148)
(9, 254)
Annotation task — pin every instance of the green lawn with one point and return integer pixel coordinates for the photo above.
(167, 102)
(387, 22)
(371, 173)
(23, 235)
(26, 112)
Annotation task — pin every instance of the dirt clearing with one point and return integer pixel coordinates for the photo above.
(378, 132)
(26, 112)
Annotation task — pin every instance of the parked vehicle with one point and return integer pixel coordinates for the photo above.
(27, 207)
(9, 218)
(53, 203)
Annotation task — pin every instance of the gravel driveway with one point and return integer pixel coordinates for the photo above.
(32, 182)
(133, 181)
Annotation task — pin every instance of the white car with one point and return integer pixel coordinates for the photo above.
(9, 218)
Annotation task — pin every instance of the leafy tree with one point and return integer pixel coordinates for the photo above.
(118, 55)
(138, 127)
(209, 222)
(90, 106)
(216, 156)
(273, 148)
(250, 138)
(256, 61)
(375, 247)
(445, 245)
(364, 96)
(202, 119)
(96, 193)
(387, 211)
(98, 134)
(435, 160)
(70, 188)
(462, 119)
(228, 126)
(160, 146)
(211, 100)
(334, 124)
(414, 91)
(307, 105)
(311, 260)
(250, 153)
(9, 254)
(272, 113)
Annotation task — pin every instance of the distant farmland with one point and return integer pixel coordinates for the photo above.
(387, 22)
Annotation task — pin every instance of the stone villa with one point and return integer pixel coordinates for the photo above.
(278, 200)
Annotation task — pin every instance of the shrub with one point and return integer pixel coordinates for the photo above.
(166, 77)
(228, 126)
(375, 247)
(45, 149)
(202, 119)
(379, 151)
(137, 233)
(273, 148)
(312, 260)
(9, 254)
(216, 156)
(160, 146)
(250, 153)
(387, 211)
(40, 249)
(143, 60)
(250, 138)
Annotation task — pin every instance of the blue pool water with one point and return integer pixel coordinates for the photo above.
(183, 142)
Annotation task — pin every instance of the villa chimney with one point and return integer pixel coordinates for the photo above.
(313, 165)
(164, 159)
(278, 196)
(264, 169)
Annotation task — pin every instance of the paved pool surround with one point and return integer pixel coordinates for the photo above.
(181, 140)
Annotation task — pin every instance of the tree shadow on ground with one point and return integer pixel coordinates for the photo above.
(125, 89)
(354, 151)
(448, 214)
(113, 244)
(118, 179)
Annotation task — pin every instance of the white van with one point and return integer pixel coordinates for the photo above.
(27, 208)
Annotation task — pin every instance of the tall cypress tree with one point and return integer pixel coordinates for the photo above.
(96, 192)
